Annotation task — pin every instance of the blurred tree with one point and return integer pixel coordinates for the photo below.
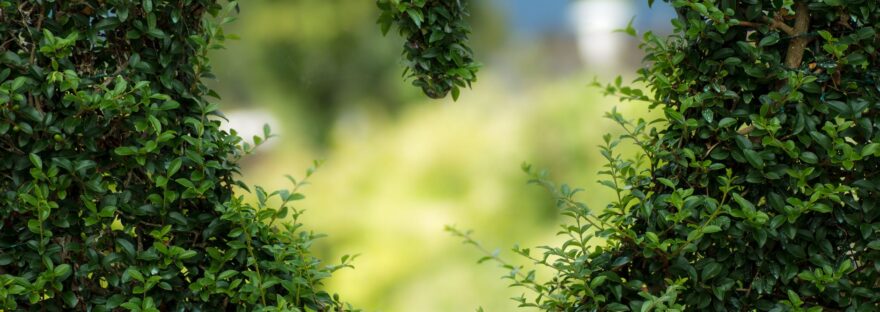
(314, 57)
(314, 54)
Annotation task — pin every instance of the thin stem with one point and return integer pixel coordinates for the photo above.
(469, 240)
(711, 218)
(247, 236)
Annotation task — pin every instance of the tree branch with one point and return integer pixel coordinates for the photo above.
(772, 23)
(798, 44)
(780, 25)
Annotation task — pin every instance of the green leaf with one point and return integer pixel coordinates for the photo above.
(675, 116)
(870, 149)
(620, 261)
(820, 207)
(809, 157)
(227, 274)
(743, 203)
(711, 270)
(188, 254)
(794, 298)
(125, 151)
(126, 246)
(416, 17)
(174, 165)
(70, 300)
(754, 158)
(36, 161)
(769, 40)
(62, 271)
(18, 83)
(135, 274)
(186, 183)
(267, 131)
(709, 229)
(598, 281)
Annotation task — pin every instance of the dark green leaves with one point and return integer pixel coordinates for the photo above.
(439, 58)
(116, 182)
(769, 40)
(783, 96)
(711, 270)
(754, 158)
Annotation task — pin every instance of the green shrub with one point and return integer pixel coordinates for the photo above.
(116, 183)
(758, 191)
(439, 58)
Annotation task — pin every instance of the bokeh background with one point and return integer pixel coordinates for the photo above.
(398, 167)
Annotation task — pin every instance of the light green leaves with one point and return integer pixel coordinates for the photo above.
(36, 161)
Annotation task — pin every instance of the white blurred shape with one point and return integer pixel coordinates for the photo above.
(249, 123)
(595, 21)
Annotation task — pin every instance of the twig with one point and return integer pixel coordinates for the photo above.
(36, 102)
(750, 24)
(772, 23)
(119, 69)
(33, 38)
(711, 148)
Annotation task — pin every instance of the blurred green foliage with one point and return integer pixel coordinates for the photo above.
(318, 60)
(320, 57)
(388, 188)
(400, 167)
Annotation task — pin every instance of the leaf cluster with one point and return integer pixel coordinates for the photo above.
(436, 49)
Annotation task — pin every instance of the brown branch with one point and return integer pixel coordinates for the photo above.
(772, 23)
(749, 24)
(33, 38)
(798, 44)
(711, 148)
(34, 44)
(780, 25)
(5, 43)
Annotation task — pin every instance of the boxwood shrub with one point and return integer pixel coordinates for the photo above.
(758, 191)
(116, 181)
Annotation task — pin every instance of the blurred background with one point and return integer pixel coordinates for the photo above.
(399, 166)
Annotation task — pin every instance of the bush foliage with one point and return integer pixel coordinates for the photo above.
(439, 58)
(759, 188)
(116, 182)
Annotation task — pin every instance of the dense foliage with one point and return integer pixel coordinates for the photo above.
(116, 183)
(759, 188)
(439, 58)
